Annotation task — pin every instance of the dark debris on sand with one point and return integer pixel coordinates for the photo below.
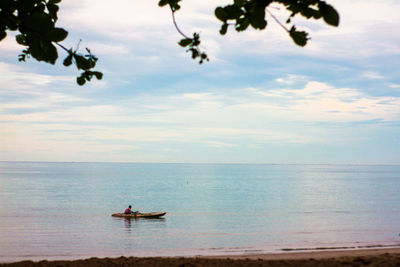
(384, 260)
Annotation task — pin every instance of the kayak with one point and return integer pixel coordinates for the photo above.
(140, 215)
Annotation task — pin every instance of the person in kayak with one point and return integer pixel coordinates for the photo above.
(129, 210)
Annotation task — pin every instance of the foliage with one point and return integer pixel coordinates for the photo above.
(193, 46)
(35, 20)
(192, 43)
(244, 13)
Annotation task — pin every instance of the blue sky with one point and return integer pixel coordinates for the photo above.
(261, 99)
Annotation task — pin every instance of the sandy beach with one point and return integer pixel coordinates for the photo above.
(363, 257)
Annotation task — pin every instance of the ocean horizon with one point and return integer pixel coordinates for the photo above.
(214, 163)
(62, 210)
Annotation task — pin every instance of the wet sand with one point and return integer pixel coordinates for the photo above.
(365, 257)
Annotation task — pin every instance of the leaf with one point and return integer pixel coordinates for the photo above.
(196, 39)
(221, 14)
(195, 52)
(81, 80)
(3, 35)
(52, 2)
(21, 57)
(51, 54)
(57, 35)
(233, 11)
(299, 37)
(163, 2)
(68, 60)
(185, 42)
(329, 14)
(172, 3)
(242, 25)
(88, 75)
(81, 62)
(40, 22)
(53, 9)
(36, 50)
(257, 20)
(224, 29)
(98, 75)
(24, 55)
(20, 39)
(239, 2)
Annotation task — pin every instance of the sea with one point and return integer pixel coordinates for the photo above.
(53, 210)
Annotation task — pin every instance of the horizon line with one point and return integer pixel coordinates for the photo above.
(199, 163)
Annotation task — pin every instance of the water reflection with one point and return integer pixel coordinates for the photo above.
(128, 224)
(139, 223)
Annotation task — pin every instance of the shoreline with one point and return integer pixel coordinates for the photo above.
(315, 254)
(354, 257)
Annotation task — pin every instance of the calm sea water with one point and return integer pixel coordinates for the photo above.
(62, 210)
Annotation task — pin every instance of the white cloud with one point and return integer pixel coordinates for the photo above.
(9, 45)
(372, 75)
(218, 144)
(103, 16)
(56, 142)
(197, 96)
(211, 118)
(37, 103)
(20, 79)
(320, 102)
(291, 79)
(394, 85)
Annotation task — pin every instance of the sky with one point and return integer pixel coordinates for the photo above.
(260, 99)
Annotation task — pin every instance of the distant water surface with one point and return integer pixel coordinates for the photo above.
(62, 210)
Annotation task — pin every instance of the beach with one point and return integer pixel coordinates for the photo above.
(363, 257)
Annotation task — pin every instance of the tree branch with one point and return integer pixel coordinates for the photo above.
(277, 21)
(176, 25)
(63, 47)
(191, 43)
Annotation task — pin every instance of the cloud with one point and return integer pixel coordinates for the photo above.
(105, 17)
(211, 118)
(291, 79)
(372, 75)
(394, 85)
(219, 144)
(259, 88)
(19, 79)
(197, 96)
(37, 103)
(26, 96)
(319, 101)
(245, 119)
(10, 46)
(316, 101)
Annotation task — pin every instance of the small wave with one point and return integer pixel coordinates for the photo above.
(335, 248)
